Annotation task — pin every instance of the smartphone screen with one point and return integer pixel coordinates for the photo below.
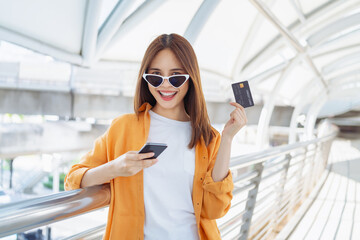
(156, 148)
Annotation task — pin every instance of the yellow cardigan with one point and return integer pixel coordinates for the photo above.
(126, 216)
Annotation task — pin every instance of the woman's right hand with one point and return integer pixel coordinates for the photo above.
(131, 163)
(126, 165)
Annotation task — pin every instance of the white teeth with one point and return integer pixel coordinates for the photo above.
(167, 94)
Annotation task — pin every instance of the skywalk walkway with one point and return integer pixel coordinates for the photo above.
(335, 211)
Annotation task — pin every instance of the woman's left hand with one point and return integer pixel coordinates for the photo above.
(237, 121)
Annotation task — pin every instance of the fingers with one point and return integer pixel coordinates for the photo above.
(238, 114)
(142, 156)
(143, 160)
(238, 106)
(239, 117)
(148, 163)
(135, 156)
(235, 104)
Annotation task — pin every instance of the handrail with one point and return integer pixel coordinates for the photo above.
(28, 214)
(285, 193)
(253, 158)
(88, 233)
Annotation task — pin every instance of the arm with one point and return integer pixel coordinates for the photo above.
(95, 169)
(218, 183)
(94, 158)
(221, 167)
(237, 121)
(98, 175)
(126, 165)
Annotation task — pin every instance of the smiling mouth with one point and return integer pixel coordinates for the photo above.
(167, 94)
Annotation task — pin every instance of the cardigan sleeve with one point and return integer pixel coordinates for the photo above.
(217, 195)
(96, 157)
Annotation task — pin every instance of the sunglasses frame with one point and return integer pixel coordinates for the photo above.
(187, 76)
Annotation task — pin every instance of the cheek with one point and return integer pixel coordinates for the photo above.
(184, 89)
(152, 90)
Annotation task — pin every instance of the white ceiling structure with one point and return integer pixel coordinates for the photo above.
(301, 53)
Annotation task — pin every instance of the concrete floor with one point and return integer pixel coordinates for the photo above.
(335, 212)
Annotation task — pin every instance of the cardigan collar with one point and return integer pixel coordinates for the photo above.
(145, 107)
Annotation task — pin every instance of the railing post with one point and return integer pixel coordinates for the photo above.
(11, 163)
(327, 146)
(56, 174)
(309, 178)
(318, 163)
(299, 188)
(48, 233)
(1, 172)
(250, 203)
(280, 192)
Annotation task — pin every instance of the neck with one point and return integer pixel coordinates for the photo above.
(177, 113)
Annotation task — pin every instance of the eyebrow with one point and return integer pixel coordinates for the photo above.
(173, 69)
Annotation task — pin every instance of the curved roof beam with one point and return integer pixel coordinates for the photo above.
(318, 12)
(306, 98)
(262, 136)
(348, 60)
(268, 72)
(299, 12)
(90, 31)
(111, 25)
(345, 77)
(345, 61)
(313, 113)
(316, 54)
(240, 60)
(129, 23)
(38, 46)
(288, 36)
(334, 28)
(199, 20)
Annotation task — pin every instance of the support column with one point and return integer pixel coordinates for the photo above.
(305, 94)
(56, 174)
(11, 162)
(312, 115)
(1, 173)
(262, 136)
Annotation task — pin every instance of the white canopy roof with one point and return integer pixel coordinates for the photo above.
(293, 52)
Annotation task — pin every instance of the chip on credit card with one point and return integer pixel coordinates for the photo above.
(242, 94)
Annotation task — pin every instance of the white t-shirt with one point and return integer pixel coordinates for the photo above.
(169, 211)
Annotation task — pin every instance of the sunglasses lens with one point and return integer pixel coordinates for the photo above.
(177, 81)
(154, 80)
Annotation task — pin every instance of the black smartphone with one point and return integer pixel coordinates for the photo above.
(156, 148)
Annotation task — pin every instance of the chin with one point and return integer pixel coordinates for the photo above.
(167, 105)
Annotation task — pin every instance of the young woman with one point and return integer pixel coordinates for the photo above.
(180, 194)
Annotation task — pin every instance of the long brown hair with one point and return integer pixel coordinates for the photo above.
(194, 100)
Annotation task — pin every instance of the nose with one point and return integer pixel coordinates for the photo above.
(166, 82)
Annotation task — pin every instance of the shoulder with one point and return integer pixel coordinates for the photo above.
(216, 137)
(216, 132)
(213, 147)
(123, 121)
(215, 141)
(124, 118)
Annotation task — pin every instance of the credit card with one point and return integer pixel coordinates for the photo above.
(242, 94)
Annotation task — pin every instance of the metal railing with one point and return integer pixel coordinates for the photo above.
(269, 186)
(28, 214)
